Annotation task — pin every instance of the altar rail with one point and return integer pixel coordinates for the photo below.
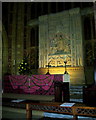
(53, 107)
(76, 109)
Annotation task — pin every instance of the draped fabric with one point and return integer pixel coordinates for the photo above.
(35, 84)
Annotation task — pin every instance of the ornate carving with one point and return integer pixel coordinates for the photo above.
(61, 37)
(83, 111)
(52, 108)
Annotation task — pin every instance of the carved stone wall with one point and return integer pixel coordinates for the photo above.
(60, 39)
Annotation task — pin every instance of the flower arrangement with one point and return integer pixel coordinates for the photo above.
(24, 67)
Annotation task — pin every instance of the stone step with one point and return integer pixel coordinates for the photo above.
(76, 90)
(76, 93)
(56, 116)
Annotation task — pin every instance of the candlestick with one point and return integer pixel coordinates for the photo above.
(48, 69)
(65, 67)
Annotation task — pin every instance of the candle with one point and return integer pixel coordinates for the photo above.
(65, 59)
(47, 58)
(29, 82)
(14, 62)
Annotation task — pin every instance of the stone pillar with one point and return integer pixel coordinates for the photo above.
(95, 16)
(49, 7)
(94, 6)
(28, 31)
(14, 39)
(20, 35)
(0, 59)
(36, 28)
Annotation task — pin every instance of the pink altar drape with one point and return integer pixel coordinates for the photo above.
(35, 84)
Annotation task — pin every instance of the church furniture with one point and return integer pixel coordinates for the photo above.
(78, 109)
(58, 91)
(89, 95)
(89, 92)
(61, 90)
(38, 85)
(9, 107)
(54, 107)
(34, 84)
(66, 93)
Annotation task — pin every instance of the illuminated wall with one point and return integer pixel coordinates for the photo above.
(60, 39)
(77, 76)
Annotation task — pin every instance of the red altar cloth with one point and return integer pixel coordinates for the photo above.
(35, 84)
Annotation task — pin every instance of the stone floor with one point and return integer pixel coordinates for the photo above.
(48, 118)
(55, 116)
(80, 118)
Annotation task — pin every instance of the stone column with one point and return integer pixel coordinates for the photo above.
(14, 39)
(20, 36)
(0, 60)
(95, 16)
(94, 7)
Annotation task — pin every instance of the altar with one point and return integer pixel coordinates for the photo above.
(34, 84)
